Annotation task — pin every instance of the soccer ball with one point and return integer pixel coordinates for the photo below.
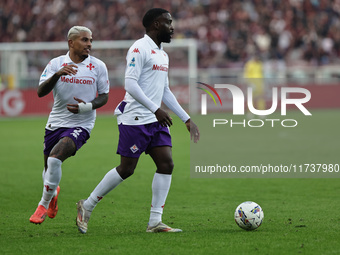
(249, 215)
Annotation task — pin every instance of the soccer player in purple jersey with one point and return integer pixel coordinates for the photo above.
(143, 125)
(75, 79)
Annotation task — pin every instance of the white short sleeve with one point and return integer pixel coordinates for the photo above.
(49, 71)
(103, 80)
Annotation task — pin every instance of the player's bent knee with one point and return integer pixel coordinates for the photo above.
(125, 172)
(171, 166)
(166, 168)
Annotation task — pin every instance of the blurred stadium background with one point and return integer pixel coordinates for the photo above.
(298, 42)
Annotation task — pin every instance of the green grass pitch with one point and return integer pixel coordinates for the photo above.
(301, 215)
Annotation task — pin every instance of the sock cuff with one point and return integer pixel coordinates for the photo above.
(166, 176)
(53, 173)
(161, 181)
(54, 162)
(115, 170)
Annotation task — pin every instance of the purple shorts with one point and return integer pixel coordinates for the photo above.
(135, 139)
(78, 135)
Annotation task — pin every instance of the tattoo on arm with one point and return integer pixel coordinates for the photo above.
(100, 101)
(47, 86)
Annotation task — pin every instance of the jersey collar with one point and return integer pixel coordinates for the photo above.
(152, 43)
(69, 60)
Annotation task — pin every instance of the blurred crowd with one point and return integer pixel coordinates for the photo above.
(229, 32)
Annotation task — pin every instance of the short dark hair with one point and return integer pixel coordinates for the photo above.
(151, 15)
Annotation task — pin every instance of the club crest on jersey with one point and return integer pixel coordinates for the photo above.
(132, 63)
(136, 50)
(134, 148)
(153, 52)
(90, 66)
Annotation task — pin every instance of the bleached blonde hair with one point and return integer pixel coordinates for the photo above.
(75, 30)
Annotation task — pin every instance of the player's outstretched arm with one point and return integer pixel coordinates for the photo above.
(47, 86)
